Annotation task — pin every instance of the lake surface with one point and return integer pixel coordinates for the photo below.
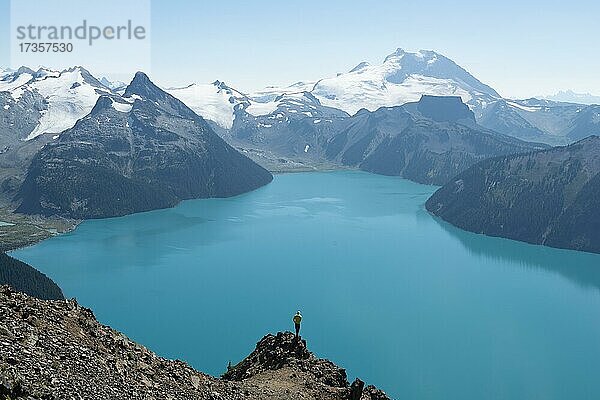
(406, 302)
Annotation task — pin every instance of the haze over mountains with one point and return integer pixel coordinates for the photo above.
(570, 96)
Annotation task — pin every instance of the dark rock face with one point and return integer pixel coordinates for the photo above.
(24, 278)
(372, 393)
(549, 197)
(356, 389)
(277, 351)
(54, 350)
(448, 108)
(428, 142)
(141, 152)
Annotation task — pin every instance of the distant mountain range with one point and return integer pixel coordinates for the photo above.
(404, 77)
(429, 141)
(81, 147)
(569, 96)
(549, 197)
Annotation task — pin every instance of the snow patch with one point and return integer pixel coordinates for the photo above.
(214, 102)
(69, 98)
(258, 109)
(122, 107)
(522, 107)
(14, 86)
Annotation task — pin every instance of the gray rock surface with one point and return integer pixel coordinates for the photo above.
(57, 350)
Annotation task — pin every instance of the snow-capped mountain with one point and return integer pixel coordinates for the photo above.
(271, 92)
(570, 96)
(219, 103)
(67, 95)
(115, 86)
(402, 77)
(293, 125)
(5, 71)
(215, 101)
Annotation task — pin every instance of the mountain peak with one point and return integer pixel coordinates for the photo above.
(25, 70)
(142, 86)
(360, 66)
(570, 96)
(301, 374)
(102, 103)
(407, 57)
(398, 54)
(140, 78)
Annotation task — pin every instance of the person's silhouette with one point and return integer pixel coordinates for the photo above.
(297, 319)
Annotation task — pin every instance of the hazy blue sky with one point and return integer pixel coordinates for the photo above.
(519, 48)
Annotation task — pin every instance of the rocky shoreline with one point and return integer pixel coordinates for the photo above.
(56, 349)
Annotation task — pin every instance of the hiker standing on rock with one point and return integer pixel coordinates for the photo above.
(297, 319)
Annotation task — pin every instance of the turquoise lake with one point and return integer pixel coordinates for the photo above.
(397, 297)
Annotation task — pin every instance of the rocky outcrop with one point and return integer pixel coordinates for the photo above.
(274, 352)
(57, 350)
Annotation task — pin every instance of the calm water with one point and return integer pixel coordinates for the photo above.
(404, 301)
